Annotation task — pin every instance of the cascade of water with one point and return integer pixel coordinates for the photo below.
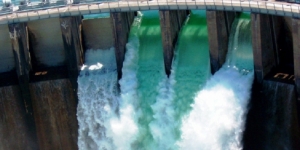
(217, 117)
(125, 127)
(148, 112)
(150, 73)
(107, 121)
(190, 71)
(98, 101)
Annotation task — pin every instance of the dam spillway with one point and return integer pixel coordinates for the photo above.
(40, 84)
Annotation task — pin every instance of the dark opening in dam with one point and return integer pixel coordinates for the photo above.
(157, 79)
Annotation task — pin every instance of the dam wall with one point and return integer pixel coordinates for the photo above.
(264, 57)
(55, 107)
(45, 54)
(6, 55)
(278, 124)
(43, 59)
(296, 52)
(17, 130)
(97, 33)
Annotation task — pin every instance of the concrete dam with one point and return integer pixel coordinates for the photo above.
(149, 75)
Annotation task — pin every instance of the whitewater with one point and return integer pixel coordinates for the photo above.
(217, 119)
(147, 110)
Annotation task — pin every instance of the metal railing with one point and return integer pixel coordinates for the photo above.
(19, 10)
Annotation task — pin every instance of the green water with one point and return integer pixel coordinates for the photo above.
(190, 70)
(149, 74)
(239, 54)
(152, 106)
(218, 115)
(191, 66)
(95, 16)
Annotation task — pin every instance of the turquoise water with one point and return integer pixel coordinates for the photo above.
(192, 66)
(149, 73)
(95, 16)
(189, 110)
(240, 54)
(218, 114)
(190, 70)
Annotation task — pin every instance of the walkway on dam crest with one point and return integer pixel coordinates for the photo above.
(265, 7)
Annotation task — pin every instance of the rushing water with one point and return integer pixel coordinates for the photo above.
(149, 74)
(126, 126)
(218, 115)
(190, 71)
(152, 111)
(98, 101)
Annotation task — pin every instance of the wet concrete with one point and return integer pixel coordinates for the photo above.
(55, 105)
(17, 133)
(272, 122)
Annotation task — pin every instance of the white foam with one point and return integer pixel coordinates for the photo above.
(125, 128)
(180, 86)
(163, 125)
(98, 100)
(217, 119)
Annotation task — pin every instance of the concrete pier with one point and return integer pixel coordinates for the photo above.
(218, 25)
(296, 50)
(20, 45)
(170, 23)
(121, 23)
(296, 55)
(19, 39)
(71, 34)
(263, 52)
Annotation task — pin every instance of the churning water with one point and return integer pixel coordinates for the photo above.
(189, 73)
(218, 113)
(152, 111)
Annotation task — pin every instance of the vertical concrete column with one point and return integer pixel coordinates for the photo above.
(121, 22)
(19, 39)
(71, 35)
(218, 25)
(263, 52)
(296, 51)
(170, 23)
